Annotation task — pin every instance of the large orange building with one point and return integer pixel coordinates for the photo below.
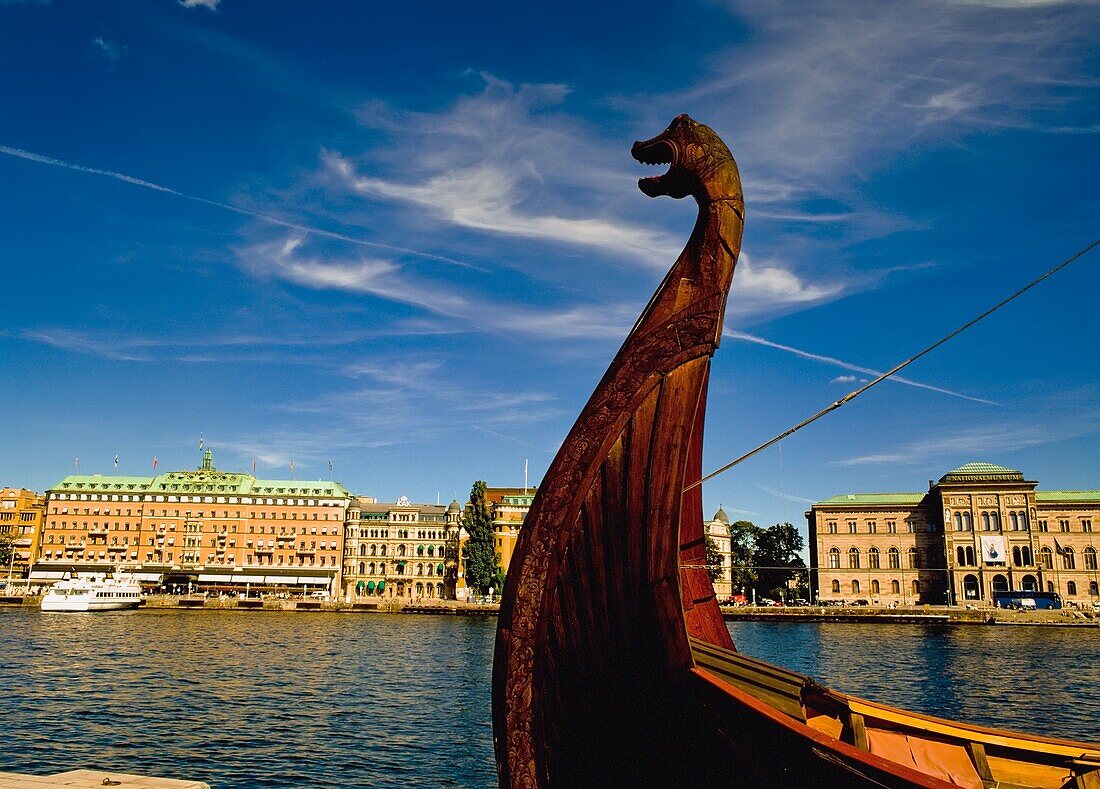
(204, 529)
(981, 529)
(22, 513)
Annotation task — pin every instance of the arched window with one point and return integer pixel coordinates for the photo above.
(1071, 588)
(872, 559)
(382, 568)
(400, 550)
(439, 590)
(916, 588)
(960, 556)
(382, 550)
(1013, 521)
(958, 521)
(362, 550)
(894, 558)
(370, 568)
(419, 569)
(362, 568)
(1050, 586)
(1025, 554)
(1094, 590)
(971, 589)
(834, 560)
(985, 521)
(1046, 558)
(1030, 584)
(853, 558)
(874, 587)
(1068, 560)
(1016, 554)
(1090, 558)
(914, 558)
(967, 526)
(836, 587)
(855, 587)
(431, 551)
(995, 520)
(374, 550)
(895, 587)
(970, 561)
(1000, 583)
(420, 550)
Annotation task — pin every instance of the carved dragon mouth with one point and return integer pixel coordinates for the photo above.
(654, 152)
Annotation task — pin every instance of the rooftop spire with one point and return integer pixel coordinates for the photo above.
(207, 461)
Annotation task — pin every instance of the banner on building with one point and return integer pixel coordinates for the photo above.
(993, 549)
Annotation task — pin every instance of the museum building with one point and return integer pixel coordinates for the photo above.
(980, 529)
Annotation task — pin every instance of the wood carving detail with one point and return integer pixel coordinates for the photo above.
(682, 323)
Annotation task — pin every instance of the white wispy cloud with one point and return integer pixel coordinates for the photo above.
(108, 49)
(816, 357)
(261, 216)
(987, 440)
(843, 379)
(209, 4)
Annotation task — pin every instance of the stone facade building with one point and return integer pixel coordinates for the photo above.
(978, 530)
(398, 550)
(718, 530)
(202, 529)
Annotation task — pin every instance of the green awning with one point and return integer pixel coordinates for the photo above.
(370, 585)
(360, 585)
(381, 585)
(440, 569)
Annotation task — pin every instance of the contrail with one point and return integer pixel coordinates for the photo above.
(30, 156)
(737, 335)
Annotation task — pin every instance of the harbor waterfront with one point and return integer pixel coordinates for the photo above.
(387, 700)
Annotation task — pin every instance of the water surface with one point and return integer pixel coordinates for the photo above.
(247, 699)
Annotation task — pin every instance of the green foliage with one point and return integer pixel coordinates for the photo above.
(714, 559)
(7, 549)
(482, 565)
(777, 560)
(742, 549)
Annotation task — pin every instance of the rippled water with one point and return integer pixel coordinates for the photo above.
(324, 700)
(1043, 680)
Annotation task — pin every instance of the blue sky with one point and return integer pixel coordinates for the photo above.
(406, 237)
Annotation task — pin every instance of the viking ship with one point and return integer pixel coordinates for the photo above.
(613, 665)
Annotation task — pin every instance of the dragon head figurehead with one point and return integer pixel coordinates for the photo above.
(700, 163)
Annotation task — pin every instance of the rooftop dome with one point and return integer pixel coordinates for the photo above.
(454, 506)
(721, 516)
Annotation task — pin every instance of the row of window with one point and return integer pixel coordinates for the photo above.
(380, 550)
(200, 500)
(875, 588)
(192, 527)
(893, 558)
(398, 568)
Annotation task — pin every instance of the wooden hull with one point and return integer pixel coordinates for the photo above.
(613, 665)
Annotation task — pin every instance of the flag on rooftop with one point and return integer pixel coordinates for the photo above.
(201, 445)
(154, 462)
(116, 460)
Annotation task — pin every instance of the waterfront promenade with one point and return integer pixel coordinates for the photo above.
(874, 615)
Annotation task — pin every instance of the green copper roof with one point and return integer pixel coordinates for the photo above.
(202, 481)
(1054, 496)
(968, 471)
(872, 498)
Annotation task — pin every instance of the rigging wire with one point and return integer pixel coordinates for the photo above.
(853, 395)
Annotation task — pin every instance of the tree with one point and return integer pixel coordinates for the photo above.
(742, 549)
(777, 560)
(715, 560)
(7, 549)
(480, 559)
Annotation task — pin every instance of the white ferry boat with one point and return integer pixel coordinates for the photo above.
(94, 592)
